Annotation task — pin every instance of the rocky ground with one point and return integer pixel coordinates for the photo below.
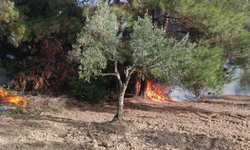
(217, 124)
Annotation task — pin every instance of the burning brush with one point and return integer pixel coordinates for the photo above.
(161, 92)
(157, 92)
(11, 100)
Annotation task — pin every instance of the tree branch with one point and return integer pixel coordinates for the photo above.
(109, 74)
(116, 70)
(128, 73)
(153, 64)
(115, 73)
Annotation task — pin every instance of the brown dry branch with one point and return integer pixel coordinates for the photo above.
(50, 72)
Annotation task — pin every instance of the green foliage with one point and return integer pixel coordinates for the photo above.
(165, 5)
(96, 43)
(40, 18)
(172, 61)
(168, 59)
(220, 21)
(221, 33)
(7, 11)
(125, 17)
(146, 44)
(214, 23)
(206, 69)
(23, 36)
(6, 88)
(95, 92)
(245, 78)
(4, 71)
(157, 54)
(16, 111)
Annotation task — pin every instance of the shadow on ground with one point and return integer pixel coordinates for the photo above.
(184, 141)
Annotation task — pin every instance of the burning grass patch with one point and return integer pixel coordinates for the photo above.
(11, 104)
(12, 100)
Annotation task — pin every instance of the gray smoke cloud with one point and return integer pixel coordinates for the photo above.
(234, 87)
(179, 93)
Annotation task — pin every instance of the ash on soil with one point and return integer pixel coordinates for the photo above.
(4, 108)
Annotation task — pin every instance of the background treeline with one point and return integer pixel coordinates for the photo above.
(36, 36)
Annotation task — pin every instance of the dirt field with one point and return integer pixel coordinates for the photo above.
(218, 124)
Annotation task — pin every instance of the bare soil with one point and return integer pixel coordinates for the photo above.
(217, 124)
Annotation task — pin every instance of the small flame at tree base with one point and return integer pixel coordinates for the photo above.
(156, 92)
(12, 100)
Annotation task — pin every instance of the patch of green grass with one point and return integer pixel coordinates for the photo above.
(5, 88)
(15, 112)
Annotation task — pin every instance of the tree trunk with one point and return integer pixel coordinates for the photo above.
(119, 115)
(120, 106)
(122, 89)
(197, 89)
(138, 84)
(144, 87)
(197, 93)
(137, 87)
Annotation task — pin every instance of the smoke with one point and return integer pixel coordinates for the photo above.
(179, 93)
(4, 109)
(234, 87)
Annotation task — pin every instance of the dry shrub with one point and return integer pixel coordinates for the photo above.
(51, 70)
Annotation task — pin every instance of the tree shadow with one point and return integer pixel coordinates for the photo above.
(110, 127)
(93, 130)
(169, 107)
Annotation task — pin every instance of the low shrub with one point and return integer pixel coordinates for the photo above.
(94, 92)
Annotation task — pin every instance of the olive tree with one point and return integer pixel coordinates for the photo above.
(98, 45)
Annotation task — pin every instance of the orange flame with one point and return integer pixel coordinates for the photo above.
(14, 100)
(156, 92)
(3, 93)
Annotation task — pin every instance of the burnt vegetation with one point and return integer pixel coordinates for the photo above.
(51, 71)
